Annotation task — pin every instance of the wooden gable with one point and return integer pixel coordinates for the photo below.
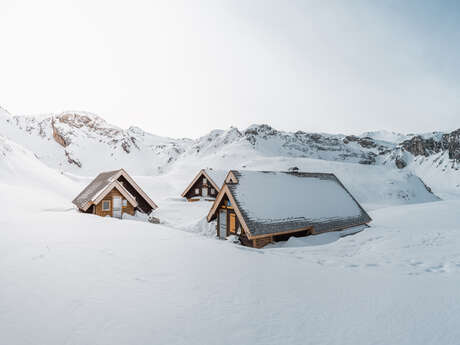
(114, 192)
(201, 181)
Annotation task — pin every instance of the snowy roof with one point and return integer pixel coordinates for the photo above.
(217, 176)
(277, 202)
(98, 186)
(94, 188)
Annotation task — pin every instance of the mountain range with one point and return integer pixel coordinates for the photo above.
(83, 143)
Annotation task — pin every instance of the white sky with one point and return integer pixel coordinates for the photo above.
(182, 68)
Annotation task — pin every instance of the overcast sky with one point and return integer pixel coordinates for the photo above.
(182, 68)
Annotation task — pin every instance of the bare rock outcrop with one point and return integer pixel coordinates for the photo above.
(58, 137)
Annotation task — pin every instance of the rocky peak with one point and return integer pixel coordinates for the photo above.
(426, 146)
(365, 142)
(254, 132)
(86, 121)
(451, 142)
(420, 146)
(262, 129)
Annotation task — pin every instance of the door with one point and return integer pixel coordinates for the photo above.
(116, 207)
(232, 223)
(204, 191)
(222, 224)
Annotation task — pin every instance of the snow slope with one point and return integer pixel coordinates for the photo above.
(388, 136)
(70, 278)
(25, 178)
(439, 172)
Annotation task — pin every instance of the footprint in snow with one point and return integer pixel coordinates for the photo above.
(416, 263)
(436, 269)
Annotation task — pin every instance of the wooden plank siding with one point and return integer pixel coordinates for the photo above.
(200, 185)
(129, 209)
(262, 242)
(233, 224)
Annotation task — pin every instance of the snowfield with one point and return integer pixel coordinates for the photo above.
(70, 278)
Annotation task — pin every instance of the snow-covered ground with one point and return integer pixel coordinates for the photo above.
(70, 278)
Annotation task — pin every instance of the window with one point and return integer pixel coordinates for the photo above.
(213, 191)
(205, 181)
(125, 202)
(106, 205)
(197, 191)
(229, 203)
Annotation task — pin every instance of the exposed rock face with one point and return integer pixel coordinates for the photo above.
(72, 160)
(400, 163)
(451, 142)
(261, 130)
(368, 158)
(365, 142)
(58, 137)
(420, 146)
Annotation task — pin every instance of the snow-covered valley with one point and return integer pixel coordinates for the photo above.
(71, 278)
(76, 279)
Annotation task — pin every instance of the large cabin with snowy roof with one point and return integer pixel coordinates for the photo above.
(205, 185)
(114, 193)
(261, 207)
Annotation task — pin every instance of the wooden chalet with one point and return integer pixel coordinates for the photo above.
(206, 185)
(261, 207)
(114, 193)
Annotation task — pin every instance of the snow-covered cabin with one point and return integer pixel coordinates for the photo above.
(113, 193)
(261, 207)
(206, 184)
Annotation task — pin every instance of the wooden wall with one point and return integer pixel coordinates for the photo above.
(199, 184)
(245, 241)
(262, 242)
(129, 209)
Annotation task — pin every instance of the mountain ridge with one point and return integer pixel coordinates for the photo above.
(84, 143)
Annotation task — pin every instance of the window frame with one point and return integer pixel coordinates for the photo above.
(124, 203)
(109, 203)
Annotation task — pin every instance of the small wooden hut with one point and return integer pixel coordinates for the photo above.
(205, 185)
(261, 207)
(114, 193)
